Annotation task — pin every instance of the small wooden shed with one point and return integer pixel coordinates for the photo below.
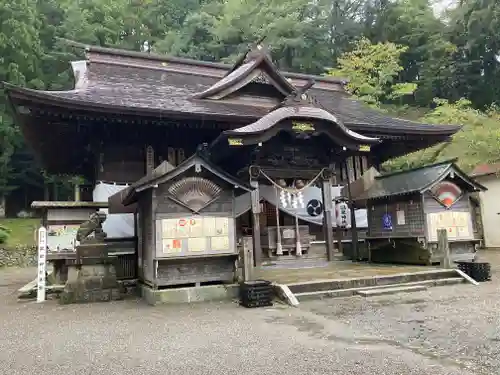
(405, 209)
(186, 223)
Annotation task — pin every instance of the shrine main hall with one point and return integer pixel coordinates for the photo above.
(193, 159)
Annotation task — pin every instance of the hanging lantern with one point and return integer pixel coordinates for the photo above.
(281, 183)
(342, 214)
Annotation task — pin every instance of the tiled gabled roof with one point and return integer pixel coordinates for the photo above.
(251, 65)
(139, 83)
(485, 170)
(164, 173)
(415, 180)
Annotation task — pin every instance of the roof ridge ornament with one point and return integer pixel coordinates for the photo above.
(299, 97)
(247, 55)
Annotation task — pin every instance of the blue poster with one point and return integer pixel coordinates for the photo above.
(387, 221)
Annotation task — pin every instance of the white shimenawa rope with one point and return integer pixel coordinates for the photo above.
(293, 190)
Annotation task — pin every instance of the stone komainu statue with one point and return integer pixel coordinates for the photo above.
(92, 225)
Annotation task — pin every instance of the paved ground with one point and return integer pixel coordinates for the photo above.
(442, 331)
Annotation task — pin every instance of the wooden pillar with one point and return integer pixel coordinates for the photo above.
(257, 248)
(337, 181)
(326, 190)
(338, 233)
(354, 229)
(77, 192)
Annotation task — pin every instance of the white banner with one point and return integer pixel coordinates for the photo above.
(312, 209)
(115, 225)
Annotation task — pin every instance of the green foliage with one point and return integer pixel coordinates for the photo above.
(4, 235)
(415, 56)
(475, 30)
(19, 231)
(427, 58)
(478, 142)
(373, 70)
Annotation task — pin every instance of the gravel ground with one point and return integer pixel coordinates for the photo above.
(458, 324)
(443, 331)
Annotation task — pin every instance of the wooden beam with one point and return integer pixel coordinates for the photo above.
(354, 229)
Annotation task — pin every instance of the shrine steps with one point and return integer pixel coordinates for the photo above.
(404, 288)
(372, 286)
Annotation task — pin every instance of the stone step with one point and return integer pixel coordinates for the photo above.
(426, 283)
(291, 258)
(352, 291)
(370, 281)
(387, 291)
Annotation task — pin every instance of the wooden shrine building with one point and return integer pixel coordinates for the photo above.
(265, 137)
(406, 208)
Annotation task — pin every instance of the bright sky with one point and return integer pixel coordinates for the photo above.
(441, 5)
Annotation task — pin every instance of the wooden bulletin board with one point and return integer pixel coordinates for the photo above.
(195, 236)
(457, 224)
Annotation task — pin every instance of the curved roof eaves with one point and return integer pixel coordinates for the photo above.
(282, 113)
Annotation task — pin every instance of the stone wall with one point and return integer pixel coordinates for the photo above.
(19, 256)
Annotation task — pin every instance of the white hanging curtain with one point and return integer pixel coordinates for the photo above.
(312, 209)
(116, 225)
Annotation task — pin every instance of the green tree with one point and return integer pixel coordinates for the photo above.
(477, 142)
(475, 29)
(20, 51)
(295, 30)
(373, 71)
(428, 57)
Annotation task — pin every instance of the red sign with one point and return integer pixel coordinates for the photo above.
(182, 222)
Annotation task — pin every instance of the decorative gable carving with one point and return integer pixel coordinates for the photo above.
(254, 66)
(447, 193)
(261, 78)
(194, 193)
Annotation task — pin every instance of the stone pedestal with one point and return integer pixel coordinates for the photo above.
(91, 283)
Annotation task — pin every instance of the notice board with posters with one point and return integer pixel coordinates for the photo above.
(195, 236)
(457, 224)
